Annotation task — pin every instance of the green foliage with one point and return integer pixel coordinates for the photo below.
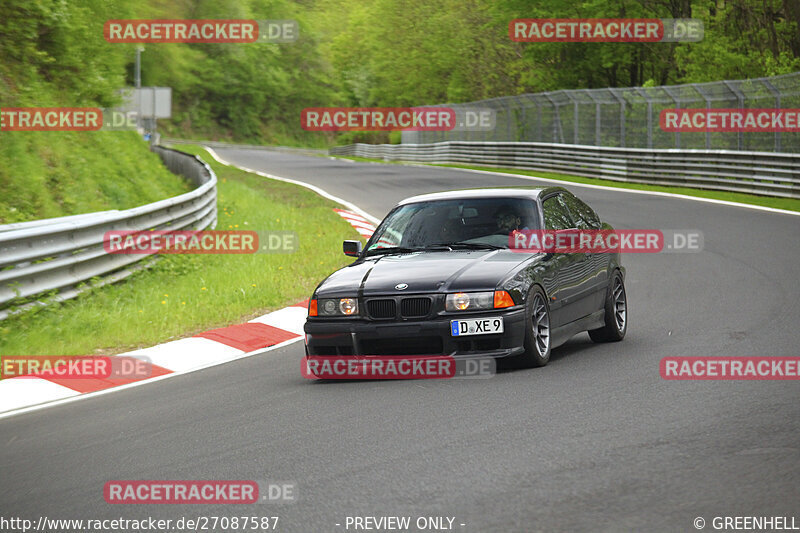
(420, 52)
(51, 57)
(369, 53)
(51, 53)
(50, 174)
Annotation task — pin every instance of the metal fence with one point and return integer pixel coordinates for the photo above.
(58, 256)
(629, 117)
(764, 173)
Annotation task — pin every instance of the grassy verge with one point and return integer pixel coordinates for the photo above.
(790, 204)
(186, 294)
(52, 174)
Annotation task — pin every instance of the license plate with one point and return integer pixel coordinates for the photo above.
(476, 326)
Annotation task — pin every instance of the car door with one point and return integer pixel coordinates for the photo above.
(567, 301)
(597, 264)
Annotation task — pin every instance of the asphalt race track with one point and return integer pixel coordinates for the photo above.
(596, 441)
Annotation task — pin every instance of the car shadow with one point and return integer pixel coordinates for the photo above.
(579, 344)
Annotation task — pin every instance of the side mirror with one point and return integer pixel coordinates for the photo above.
(352, 248)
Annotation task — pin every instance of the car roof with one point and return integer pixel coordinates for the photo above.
(531, 194)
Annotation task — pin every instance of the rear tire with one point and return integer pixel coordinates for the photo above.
(616, 312)
(537, 330)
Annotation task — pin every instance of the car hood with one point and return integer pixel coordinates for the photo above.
(435, 271)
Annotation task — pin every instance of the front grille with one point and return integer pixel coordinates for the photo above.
(382, 308)
(404, 346)
(415, 307)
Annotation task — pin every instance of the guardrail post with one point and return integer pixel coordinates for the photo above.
(574, 116)
(702, 93)
(621, 100)
(677, 106)
(777, 95)
(740, 98)
(555, 114)
(538, 123)
(641, 92)
(596, 118)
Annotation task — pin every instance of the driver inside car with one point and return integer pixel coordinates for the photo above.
(508, 220)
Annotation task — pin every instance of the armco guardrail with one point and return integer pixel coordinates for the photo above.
(217, 144)
(763, 173)
(57, 255)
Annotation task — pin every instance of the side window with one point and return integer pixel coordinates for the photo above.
(581, 213)
(555, 214)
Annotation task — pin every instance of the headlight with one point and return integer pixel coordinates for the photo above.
(475, 301)
(469, 301)
(337, 307)
(348, 306)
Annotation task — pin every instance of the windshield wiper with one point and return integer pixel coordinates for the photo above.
(472, 245)
(434, 247)
(438, 246)
(392, 250)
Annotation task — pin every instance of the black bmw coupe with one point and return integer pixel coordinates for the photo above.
(439, 277)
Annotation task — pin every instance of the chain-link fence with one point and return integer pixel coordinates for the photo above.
(629, 117)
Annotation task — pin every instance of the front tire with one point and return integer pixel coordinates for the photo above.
(616, 309)
(537, 330)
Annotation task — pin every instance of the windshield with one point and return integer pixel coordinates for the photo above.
(466, 223)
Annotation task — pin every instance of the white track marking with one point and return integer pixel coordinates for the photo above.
(145, 381)
(19, 392)
(185, 354)
(289, 319)
(314, 188)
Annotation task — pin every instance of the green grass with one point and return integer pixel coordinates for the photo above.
(186, 294)
(789, 204)
(52, 174)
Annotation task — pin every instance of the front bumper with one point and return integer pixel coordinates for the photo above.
(430, 336)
